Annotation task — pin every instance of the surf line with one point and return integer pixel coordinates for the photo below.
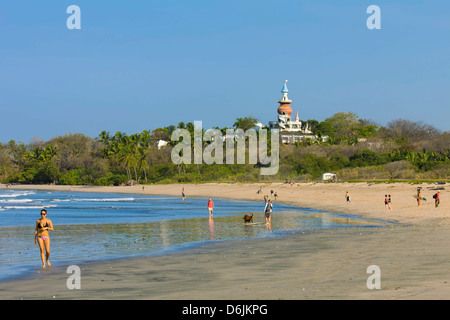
(199, 310)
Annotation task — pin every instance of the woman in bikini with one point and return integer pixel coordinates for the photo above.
(43, 225)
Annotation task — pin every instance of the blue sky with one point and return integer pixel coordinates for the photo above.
(138, 65)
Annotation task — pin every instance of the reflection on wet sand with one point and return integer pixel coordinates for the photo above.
(211, 227)
(105, 241)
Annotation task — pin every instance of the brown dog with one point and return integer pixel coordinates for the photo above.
(248, 218)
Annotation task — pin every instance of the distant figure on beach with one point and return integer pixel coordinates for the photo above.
(347, 196)
(259, 191)
(389, 202)
(437, 199)
(419, 197)
(386, 202)
(271, 193)
(43, 225)
(268, 212)
(275, 195)
(210, 206)
(183, 195)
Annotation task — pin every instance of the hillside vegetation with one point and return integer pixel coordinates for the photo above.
(356, 149)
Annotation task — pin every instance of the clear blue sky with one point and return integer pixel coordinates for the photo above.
(139, 65)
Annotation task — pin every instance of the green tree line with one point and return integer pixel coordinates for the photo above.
(354, 149)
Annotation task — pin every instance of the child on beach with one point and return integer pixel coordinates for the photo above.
(389, 202)
(347, 196)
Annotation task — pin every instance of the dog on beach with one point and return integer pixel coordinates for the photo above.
(248, 218)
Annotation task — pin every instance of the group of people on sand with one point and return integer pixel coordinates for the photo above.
(436, 197)
(272, 194)
(387, 202)
(419, 197)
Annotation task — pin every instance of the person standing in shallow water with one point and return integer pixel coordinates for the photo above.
(42, 236)
(210, 206)
(268, 212)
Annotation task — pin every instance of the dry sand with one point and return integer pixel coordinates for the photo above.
(413, 256)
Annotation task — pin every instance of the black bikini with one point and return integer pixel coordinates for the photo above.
(46, 225)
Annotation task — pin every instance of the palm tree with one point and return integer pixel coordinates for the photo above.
(142, 160)
(245, 123)
(104, 137)
(124, 154)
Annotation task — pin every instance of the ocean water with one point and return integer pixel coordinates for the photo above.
(100, 226)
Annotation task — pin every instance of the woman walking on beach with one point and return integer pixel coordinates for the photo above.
(43, 225)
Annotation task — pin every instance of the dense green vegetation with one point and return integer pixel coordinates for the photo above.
(356, 149)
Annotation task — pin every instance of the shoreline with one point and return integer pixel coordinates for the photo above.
(367, 200)
(323, 264)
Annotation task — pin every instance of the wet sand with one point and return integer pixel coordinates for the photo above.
(413, 257)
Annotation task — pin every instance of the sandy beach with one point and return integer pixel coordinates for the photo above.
(413, 256)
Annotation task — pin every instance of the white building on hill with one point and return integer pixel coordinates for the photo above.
(291, 130)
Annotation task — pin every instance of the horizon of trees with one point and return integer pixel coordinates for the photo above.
(356, 149)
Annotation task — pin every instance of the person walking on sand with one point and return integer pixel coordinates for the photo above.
(347, 196)
(386, 202)
(437, 199)
(42, 236)
(210, 206)
(419, 197)
(389, 203)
